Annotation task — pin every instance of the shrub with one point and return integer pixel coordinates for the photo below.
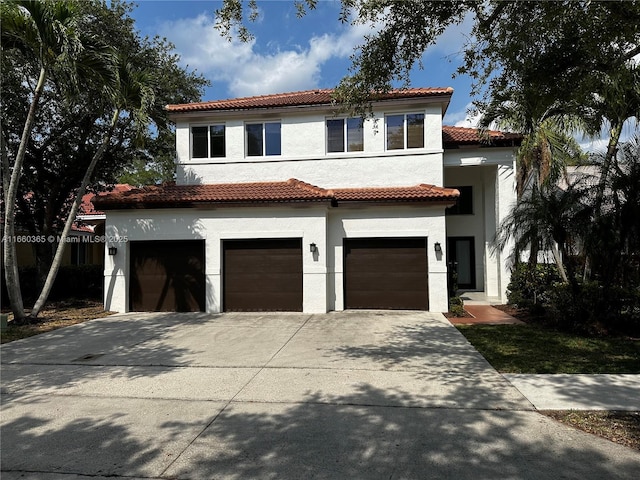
(530, 284)
(594, 308)
(456, 307)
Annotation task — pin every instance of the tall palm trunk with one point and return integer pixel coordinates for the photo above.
(612, 148)
(10, 257)
(57, 259)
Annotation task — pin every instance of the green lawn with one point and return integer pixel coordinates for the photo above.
(533, 349)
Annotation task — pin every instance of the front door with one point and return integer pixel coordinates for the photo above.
(461, 257)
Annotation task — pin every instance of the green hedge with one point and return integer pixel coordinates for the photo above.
(590, 308)
(594, 308)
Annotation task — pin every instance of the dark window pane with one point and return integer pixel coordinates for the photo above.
(355, 142)
(395, 132)
(335, 135)
(217, 141)
(254, 139)
(464, 204)
(415, 130)
(272, 138)
(199, 142)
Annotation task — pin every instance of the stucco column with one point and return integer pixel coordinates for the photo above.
(505, 201)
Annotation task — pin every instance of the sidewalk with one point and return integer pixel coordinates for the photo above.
(579, 392)
(562, 391)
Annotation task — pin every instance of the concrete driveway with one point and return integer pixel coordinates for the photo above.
(353, 395)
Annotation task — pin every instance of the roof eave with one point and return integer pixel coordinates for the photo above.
(212, 204)
(442, 98)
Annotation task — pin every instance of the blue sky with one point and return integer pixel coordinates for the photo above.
(288, 53)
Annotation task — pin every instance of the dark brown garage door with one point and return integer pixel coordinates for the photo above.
(263, 275)
(386, 273)
(167, 276)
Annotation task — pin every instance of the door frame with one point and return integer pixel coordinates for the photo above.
(453, 257)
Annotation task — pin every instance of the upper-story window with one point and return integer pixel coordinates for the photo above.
(208, 142)
(345, 135)
(263, 139)
(405, 131)
(464, 204)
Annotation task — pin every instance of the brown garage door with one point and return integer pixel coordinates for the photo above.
(263, 275)
(386, 273)
(167, 276)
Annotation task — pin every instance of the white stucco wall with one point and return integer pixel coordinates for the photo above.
(322, 272)
(327, 172)
(304, 154)
(214, 226)
(472, 225)
(389, 222)
(491, 173)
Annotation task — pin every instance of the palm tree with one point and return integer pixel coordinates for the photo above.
(45, 33)
(549, 218)
(49, 36)
(547, 148)
(616, 225)
(134, 96)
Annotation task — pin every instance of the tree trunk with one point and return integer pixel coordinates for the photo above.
(556, 256)
(57, 259)
(10, 257)
(612, 148)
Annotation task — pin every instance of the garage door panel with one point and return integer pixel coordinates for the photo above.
(274, 264)
(386, 273)
(272, 283)
(387, 301)
(396, 282)
(263, 275)
(167, 276)
(258, 302)
(373, 266)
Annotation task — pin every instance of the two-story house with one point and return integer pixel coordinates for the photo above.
(282, 203)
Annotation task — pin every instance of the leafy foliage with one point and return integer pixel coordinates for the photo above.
(73, 117)
(530, 284)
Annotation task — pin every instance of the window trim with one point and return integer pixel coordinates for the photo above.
(345, 135)
(264, 138)
(208, 127)
(405, 131)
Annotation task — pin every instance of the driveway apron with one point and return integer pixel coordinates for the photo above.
(344, 395)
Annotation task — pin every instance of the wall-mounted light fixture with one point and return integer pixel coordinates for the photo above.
(437, 247)
(313, 248)
(113, 251)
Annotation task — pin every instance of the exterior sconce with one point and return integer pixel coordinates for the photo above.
(437, 247)
(313, 248)
(113, 251)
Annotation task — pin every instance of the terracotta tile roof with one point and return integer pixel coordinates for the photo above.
(87, 208)
(253, 194)
(375, 194)
(297, 99)
(230, 193)
(456, 136)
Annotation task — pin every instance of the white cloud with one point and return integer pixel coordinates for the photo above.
(468, 117)
(247, 72)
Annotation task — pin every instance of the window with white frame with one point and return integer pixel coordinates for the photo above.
(345, 135)
(263, 139)
(208, 141)
(405, 131)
